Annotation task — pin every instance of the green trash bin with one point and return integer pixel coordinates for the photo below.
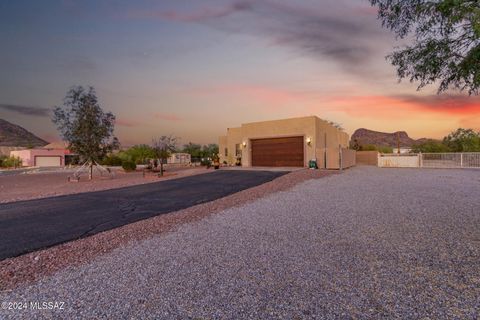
(312, 164)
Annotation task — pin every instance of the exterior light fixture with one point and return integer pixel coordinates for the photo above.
(309, 140)
(244, 144)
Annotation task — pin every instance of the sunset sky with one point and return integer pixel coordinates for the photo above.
(193, 68)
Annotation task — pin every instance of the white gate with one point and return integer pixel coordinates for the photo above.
(430, 160)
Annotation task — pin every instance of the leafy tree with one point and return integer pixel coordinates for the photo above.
(463, 140)
(430, 146)
(163, 147)
(140, 153)
(195, 150)
(446, 41)
(85, 126)
(210, 150)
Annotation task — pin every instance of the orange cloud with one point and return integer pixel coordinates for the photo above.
(406, 105)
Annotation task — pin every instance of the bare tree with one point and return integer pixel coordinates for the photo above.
(163, 147)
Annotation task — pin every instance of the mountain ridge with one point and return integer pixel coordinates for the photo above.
(12, 135)
(384, 139)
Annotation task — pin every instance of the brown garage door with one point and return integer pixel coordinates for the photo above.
(278, 152)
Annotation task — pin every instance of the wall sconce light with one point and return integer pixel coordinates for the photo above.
(244, 144)
(309, 140)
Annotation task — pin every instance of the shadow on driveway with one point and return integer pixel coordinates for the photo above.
(30, 225)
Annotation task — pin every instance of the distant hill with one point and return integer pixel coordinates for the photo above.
(12, 135)
(383, 139)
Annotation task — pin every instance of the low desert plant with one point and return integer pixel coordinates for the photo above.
(129, 166)
(10, 162)
(112, 160)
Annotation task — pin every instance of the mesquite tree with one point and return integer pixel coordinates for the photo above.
(163, 147)
(85, 126)
(446, 41)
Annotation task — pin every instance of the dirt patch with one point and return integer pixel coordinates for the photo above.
(35, 265)
(48, 184)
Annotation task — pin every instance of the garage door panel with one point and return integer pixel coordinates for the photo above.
(47, 161)
(278, 152)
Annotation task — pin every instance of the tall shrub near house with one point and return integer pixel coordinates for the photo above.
(85, 126)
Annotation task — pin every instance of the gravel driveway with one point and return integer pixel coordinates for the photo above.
(368, 243)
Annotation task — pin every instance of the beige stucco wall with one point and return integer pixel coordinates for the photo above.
(348, 158)
(320, 132)
(367, 157)
(304, 127)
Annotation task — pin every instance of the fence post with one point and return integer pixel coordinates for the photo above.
(420, 160)
(461, 160)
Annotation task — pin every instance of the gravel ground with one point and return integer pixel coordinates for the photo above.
(29, 186)
(35, 265)
(368, 243)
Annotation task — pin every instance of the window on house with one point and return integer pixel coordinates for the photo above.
(238, 150)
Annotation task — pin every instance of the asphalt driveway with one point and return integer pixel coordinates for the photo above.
(31, 225)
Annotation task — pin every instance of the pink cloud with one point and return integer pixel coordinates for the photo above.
(127, 122)
(166, 116)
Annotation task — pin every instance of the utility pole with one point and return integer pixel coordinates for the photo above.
(398, 142)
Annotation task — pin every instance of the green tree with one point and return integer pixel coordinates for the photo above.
(195, 150)
(140, 153)
(163, 147)
(430, 146)
(85, 126)
(463, 140)
(210, 150)
(446, 41)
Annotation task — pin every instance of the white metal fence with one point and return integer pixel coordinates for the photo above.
(430, 160)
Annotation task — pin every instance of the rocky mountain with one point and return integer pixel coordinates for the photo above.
(12, 135)
(383, 139)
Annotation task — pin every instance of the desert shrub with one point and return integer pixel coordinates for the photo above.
(112, 160)
(368, 147)
(385, 149)
(430, 146)
(10, 162)
(129, 166)
(140, 154)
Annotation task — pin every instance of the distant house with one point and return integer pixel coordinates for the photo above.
(179, 158)
(52, 155)
(402, 150)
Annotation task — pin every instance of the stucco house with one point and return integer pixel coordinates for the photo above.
(52, 155)
(287, 143)
(179, 158)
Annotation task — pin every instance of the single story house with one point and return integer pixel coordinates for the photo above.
(179, 158)
(52, 155)
(287, 143)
